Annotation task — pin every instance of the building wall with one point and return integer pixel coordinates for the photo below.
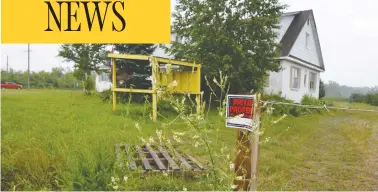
(274, 83)
(159, 52)
(307, 53)
(102, 84)
(297, 94)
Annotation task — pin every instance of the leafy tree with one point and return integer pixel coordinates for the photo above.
(87, 58)
(321, 89)
(236, 37)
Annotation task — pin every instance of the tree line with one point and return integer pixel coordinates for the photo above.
(370, 98)
(59, 77)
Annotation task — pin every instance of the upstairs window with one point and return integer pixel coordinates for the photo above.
(312, 81)
(307, 40)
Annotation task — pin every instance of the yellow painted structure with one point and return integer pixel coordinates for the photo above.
(188, 82)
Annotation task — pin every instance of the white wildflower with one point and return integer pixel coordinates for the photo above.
(184, 189)
(215, 80)
(173, 84)
(233, 186)
(196, 144)
(283, 116)
(125, 178)
(143, 140)
(159, 134)
(115, 187)
(151, 140)
(239, 116)
(232, 166)
(138, 126)
(165, 174)
(113, 180)
(220, 113)
(176, 138)
(178, 133)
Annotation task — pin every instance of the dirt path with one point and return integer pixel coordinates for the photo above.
(369, 167)
(371, 161)
(342, 154)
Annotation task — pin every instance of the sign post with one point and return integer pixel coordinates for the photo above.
(243, 113)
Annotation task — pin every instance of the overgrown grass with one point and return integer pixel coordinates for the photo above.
(63, 140)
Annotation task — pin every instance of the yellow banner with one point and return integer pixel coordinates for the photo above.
(76, 21)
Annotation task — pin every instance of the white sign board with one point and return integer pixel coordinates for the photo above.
(239, 111)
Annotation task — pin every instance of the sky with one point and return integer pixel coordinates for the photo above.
(348, 33)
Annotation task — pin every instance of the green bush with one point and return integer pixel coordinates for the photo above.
(106, 96)
(370, 98)
(279, 109)
(310, 100)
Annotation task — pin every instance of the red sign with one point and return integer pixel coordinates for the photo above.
(240, 105)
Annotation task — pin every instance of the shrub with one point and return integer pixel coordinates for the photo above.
(356, 97)
(310, 100)
(106, 96)
(278, 109)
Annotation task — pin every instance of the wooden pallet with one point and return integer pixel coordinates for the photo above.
(157, 158)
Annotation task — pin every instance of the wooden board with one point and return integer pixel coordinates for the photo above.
(157, 158)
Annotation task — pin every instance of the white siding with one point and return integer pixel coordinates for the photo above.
(102, 85)
(309, 54)
(285, 22)
(297, 94)
(275, 83)
(159, 52)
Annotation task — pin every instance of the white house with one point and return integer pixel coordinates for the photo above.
(102, 80)
(301, 58)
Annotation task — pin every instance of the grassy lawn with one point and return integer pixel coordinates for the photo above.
(63, 140)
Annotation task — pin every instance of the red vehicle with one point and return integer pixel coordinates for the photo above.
(10, 85)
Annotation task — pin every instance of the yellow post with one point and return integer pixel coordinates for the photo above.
(198, 87)
(154, 91)
(114, 84)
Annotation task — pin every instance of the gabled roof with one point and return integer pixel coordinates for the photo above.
(288, 40)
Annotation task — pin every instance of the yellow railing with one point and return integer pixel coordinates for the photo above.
(186, 82)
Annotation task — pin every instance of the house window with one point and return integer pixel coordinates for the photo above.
(308, 21)
(295, 77)
(307, 39)
(305, 79)
(312, 81)
(104, 77)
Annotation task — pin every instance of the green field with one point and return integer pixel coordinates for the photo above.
(63, 140)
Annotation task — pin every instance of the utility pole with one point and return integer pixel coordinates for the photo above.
(28, 65)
